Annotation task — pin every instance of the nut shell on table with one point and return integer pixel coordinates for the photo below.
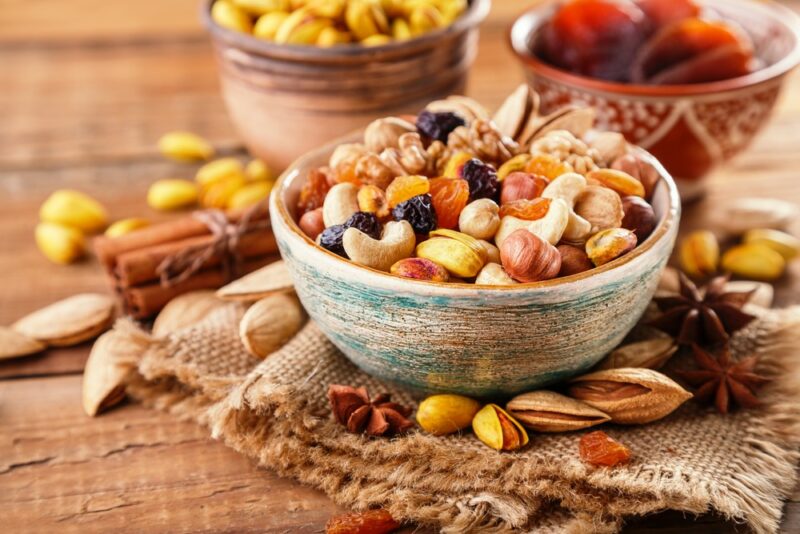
(547, 411)
(270, 279)
(111, 363)
(608, 245)
(639, 217)
(648, 354)
(574, 260)
(74, 209)
(762, 295)
(741, 215)
(630, 396)
(529, 258)
(480, 219)
(397, 242)
(184, 311)
(69, 321)
(601, 207)
(14, 344)
(60, 244)
(270, 323)
(445, 414)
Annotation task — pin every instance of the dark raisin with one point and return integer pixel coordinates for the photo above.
(438, 125)
(482, 180)
(366, 222)
(419, 212)
(331, 239)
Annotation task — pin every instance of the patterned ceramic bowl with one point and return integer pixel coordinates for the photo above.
(689, 128)
(482, 341)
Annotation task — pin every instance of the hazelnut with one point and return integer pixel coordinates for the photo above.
(529, 258)
(601, 206)
(311, 223)
(639, 217)
(522, 186)
(573, 260)
(480, 219)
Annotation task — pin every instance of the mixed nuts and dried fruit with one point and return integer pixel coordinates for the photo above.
(457, 195)
(656, 42)
(327, 23)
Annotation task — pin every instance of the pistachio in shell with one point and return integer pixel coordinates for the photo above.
(110, 365)
(499, 430)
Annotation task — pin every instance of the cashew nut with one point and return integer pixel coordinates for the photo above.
(397, 242)
(551, 227)
(384, 133)
(568, 187)
(480, 219)
(340, 203)
(493, 274)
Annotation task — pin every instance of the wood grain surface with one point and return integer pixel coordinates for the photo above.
(88, 86)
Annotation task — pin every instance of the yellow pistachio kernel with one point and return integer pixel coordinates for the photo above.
(332, 37)
(185, 146)
(257, 170)
(76, 209)
(267, 25)
(785, 244)
(424, 18)
(59, 243)
(262, 7)
(754, 261)
(126, 226)
(365, 18)
(230, 16)
(302, 27)
(171, 194)
(218, 170)
(699, 254)
(444, 414)
(250, 194)
(218, 194)
(401, 30)
(376, 40)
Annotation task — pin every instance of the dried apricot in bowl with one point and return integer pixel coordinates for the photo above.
(598, 448)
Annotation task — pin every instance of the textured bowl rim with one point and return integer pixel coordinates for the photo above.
(471, 18)
(782, 14)
(670, 218)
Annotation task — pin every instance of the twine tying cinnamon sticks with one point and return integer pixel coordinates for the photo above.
(180, 266)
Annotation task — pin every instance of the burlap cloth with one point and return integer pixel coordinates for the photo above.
(275, 411)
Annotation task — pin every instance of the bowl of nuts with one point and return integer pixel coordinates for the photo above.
(691, 81)
(445, 254)
(296, 74)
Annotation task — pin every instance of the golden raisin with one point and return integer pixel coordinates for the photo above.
(372, 199)
(527, 210)
(449, 197)
(598, 448)
(548, 166)
(313, 193)
(369, 522)
(404, 188)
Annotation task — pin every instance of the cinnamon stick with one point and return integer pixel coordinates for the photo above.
(140, 266)
(145, 301)
(108, 249)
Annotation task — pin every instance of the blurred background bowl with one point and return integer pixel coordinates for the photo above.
(285, 100)
(481, 341)
(690, 129)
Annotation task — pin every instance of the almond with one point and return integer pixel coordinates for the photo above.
(184, 311)
(547, 411)
(274, 278)
(14, 344)
(69, 321)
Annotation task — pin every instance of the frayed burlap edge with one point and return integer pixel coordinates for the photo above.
(268, 422)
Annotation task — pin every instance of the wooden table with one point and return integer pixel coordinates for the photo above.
(87, 88)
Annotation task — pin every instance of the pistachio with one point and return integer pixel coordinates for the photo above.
(462, 255)
(751, 213)
(619, 181)
(219, 170)
(650, 354)
(497, 429)
(171, 194)
(784, 244)
(365, 18)
(445, 414)
(184, 311)
(262, 7)
(14, 344)
(109, 367)
(219, 194)
(75, 209)
(126, 226)
(267, 25)
(699, 254)
(60, 244)
(69, 321)
(608, 245)
(493, 274)
(630, 396)
(273, 278)
(547, 411)
(230, 16)
(249, 195)
(512, 115)
(270, 323)
(185, 146)
(301, 27)
(755, 261)
(420, 269)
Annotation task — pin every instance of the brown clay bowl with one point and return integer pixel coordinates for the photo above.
(286, 100)
(690, 129)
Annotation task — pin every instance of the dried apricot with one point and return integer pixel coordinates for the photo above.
(403, 188)
(449, 197)
(662, 12)
(313, 193)
(548, 166)
(369, 522)
(598, 448)
(347, 173)
(527, 210)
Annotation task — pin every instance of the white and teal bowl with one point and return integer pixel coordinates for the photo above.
(481, 341)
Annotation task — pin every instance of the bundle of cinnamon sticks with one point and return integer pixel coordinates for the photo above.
(134, 262)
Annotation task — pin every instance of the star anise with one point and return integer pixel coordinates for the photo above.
(724, 381)
(705, 319)
(379, 417)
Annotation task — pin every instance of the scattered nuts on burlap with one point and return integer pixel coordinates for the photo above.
(69, 321)
(270, 323)
(273, 278)
(185, 310)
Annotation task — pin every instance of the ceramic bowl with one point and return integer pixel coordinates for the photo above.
(689, 128)
(285, 100)
(482, 341)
